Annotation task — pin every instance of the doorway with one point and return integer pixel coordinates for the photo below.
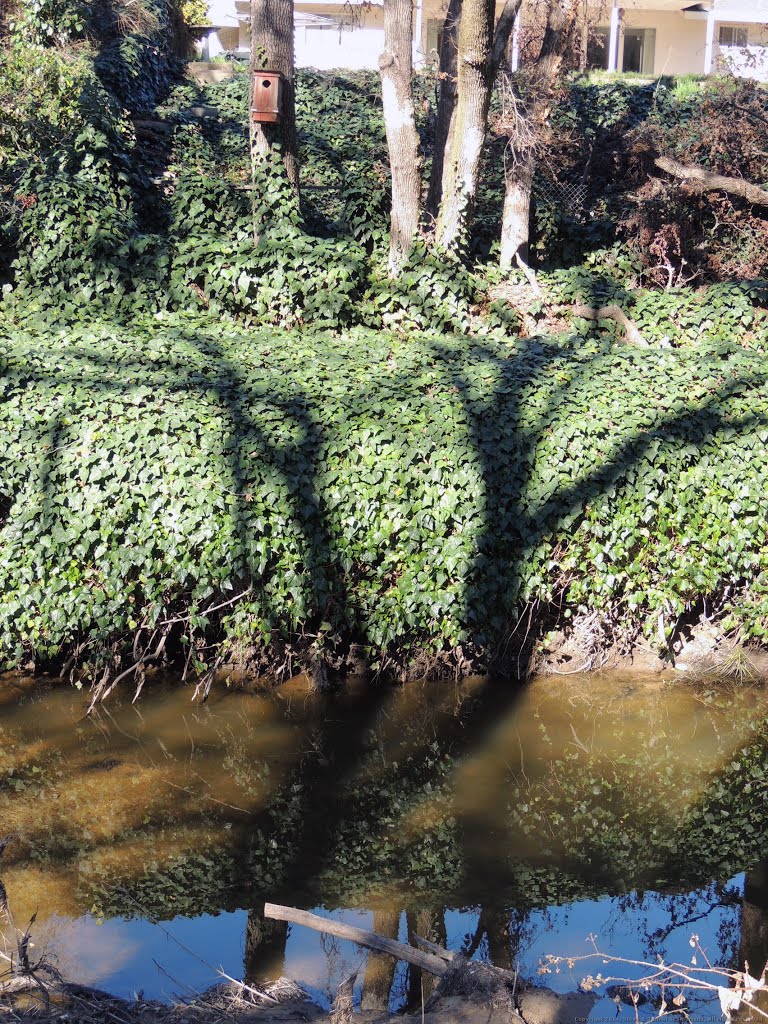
(639, 50)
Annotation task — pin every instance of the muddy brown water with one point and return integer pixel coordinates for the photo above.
(506, 823)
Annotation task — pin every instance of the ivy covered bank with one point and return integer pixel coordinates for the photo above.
(182, 490)
(224, 452)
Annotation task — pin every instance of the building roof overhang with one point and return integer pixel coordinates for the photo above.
(752, 11)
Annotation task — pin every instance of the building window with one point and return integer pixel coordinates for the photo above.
(639, 50)
(434, 37)
(734, 35)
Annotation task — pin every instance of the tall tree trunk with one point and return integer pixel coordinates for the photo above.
(396, 66)
(447, 93)
(480, 52)
(505, 26)
(475, 78)
(265, 943)
(272, 49)
(515, 221)
(380, 968)
(561, 23)
(518, 177)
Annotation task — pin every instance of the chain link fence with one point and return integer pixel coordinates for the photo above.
(569, 195)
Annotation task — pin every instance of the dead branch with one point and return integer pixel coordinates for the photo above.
(432, 947)
(529, 273)
(19, 983)
(705, 181)
(402, 951)
(457, 972)
(672, 981)
(632, 334)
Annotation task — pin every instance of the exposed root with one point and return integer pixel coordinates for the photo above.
(631, 333)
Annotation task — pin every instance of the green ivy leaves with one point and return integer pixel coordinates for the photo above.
(407, 494)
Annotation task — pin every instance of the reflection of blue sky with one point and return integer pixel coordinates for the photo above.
(123, 956)
(217, 939)
(83, 950)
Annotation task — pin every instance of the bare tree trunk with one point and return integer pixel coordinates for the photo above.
(561, 20)
(515, 221)
(380, 969)
(264, 949)
(272, 49)
(396, 66)
(504, 28)
(447, 93)
(475, 78)
(478, 55)
(429, 924)
(584, 40)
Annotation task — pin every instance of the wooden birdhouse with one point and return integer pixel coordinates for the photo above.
(268, 88)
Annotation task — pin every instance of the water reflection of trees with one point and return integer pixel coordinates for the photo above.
(734, 920)
(507, 891)
(753, 946)
(349, 819)
(354, 800)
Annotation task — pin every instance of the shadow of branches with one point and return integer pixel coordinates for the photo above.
(346, 513)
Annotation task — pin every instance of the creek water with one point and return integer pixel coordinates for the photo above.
(614, 812)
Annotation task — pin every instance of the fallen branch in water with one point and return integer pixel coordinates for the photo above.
(491, 987)
(432, 947)
(429, 962)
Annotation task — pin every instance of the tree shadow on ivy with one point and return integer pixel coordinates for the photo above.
(508, 401)
(528, 503)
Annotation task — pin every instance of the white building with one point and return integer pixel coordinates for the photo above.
(658, 37)
(653, 37)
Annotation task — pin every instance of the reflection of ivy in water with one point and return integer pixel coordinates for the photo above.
(189, 885)
(370, 850)
(628, 823)
(594, 826)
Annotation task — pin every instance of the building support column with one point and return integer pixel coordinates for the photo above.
(709, 51)
(514, 63)
(613, 38)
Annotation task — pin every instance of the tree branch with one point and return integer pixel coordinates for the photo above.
(705, 181)
(427, 961)
(615, 313)
(504, 27)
